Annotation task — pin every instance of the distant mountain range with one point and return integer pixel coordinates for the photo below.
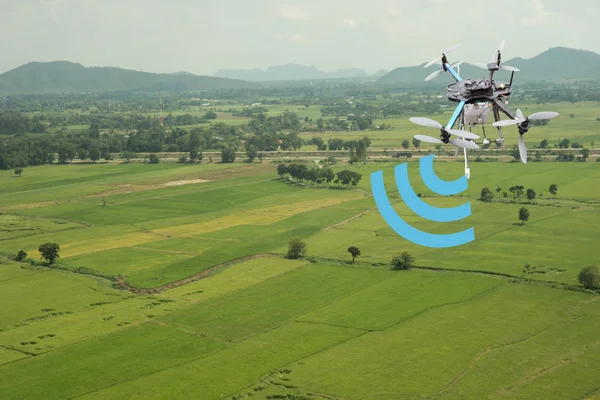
(555, 64)
(65, 77)
(289, 72)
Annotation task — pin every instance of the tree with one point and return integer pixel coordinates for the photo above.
(405, 144)
(327, 174)
(589, 277)
(193, 155)
(517, 191)
(553, 189)
(403, 261)
(19, 171)
(154, 159)
(210, 115)
(530, 195)
(296, 248)
(544, 144)
(355, 251)
(49, 252)
(251, 153)
(94, 154)
(82, 154)
(498, 190)
(416, 143)
(21, 255)
(585, 153)
(128, 155)
(523, 215)
(486, 195)
(227, 155)
(282, 169)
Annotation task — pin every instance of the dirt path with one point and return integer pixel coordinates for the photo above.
(122, 284)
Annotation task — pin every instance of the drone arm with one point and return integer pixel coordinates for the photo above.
(456, 114)
(504, 109)
(454, 74)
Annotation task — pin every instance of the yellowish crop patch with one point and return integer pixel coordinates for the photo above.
(96, 245)
(236, 277)
(262, 216)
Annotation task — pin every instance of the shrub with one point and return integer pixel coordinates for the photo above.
(154, 159)
(21, 255)
(227, 155)
(296, 248)
(403, 261)
(486, 195)
(589, 277)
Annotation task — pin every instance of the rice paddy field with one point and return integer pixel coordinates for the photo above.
(172, 284)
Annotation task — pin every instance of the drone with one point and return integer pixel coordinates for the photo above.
(476, 98)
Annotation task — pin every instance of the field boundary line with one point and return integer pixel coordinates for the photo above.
(510, 278)
(122, 284)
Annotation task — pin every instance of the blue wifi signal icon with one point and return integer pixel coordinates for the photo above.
(421, 208)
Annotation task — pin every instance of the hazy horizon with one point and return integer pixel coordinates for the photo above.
(202, 37)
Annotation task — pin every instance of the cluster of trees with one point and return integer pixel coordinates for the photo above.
(12, 122)
(30, 150)
(301, 173)
(49, 252)
(517, 191)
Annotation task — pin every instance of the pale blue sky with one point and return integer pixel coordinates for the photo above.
(202, 36)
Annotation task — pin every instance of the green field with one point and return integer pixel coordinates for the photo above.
(216, 311)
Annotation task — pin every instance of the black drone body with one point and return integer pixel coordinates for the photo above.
(476, 99)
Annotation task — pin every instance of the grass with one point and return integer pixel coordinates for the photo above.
(293, 327)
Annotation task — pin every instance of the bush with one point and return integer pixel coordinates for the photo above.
(21, 255)
(486, 195)
(183, 159)
(227, 155)
(154, 159)
(589, 277)
(296, 248)
(403, 261)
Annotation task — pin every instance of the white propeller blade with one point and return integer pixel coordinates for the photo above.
(427, 139)
(448, 51)
(543, 115)
(522, 150)
(465, 144)
(426, 122)
(506, 122)
(520, 114)
(434, 75)
(464, 134)
(509, 68)
(481, 65)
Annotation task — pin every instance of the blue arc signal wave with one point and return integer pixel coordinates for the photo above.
(421, 208)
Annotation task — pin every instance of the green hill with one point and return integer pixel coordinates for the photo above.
(64, 76)
(555, 64)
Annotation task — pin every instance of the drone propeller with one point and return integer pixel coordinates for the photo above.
(429, 123)
(520, 119)
(448, 51)
(437, 73)
(509, 68)
(465, 144)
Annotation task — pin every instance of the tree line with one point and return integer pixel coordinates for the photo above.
(301, 173)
